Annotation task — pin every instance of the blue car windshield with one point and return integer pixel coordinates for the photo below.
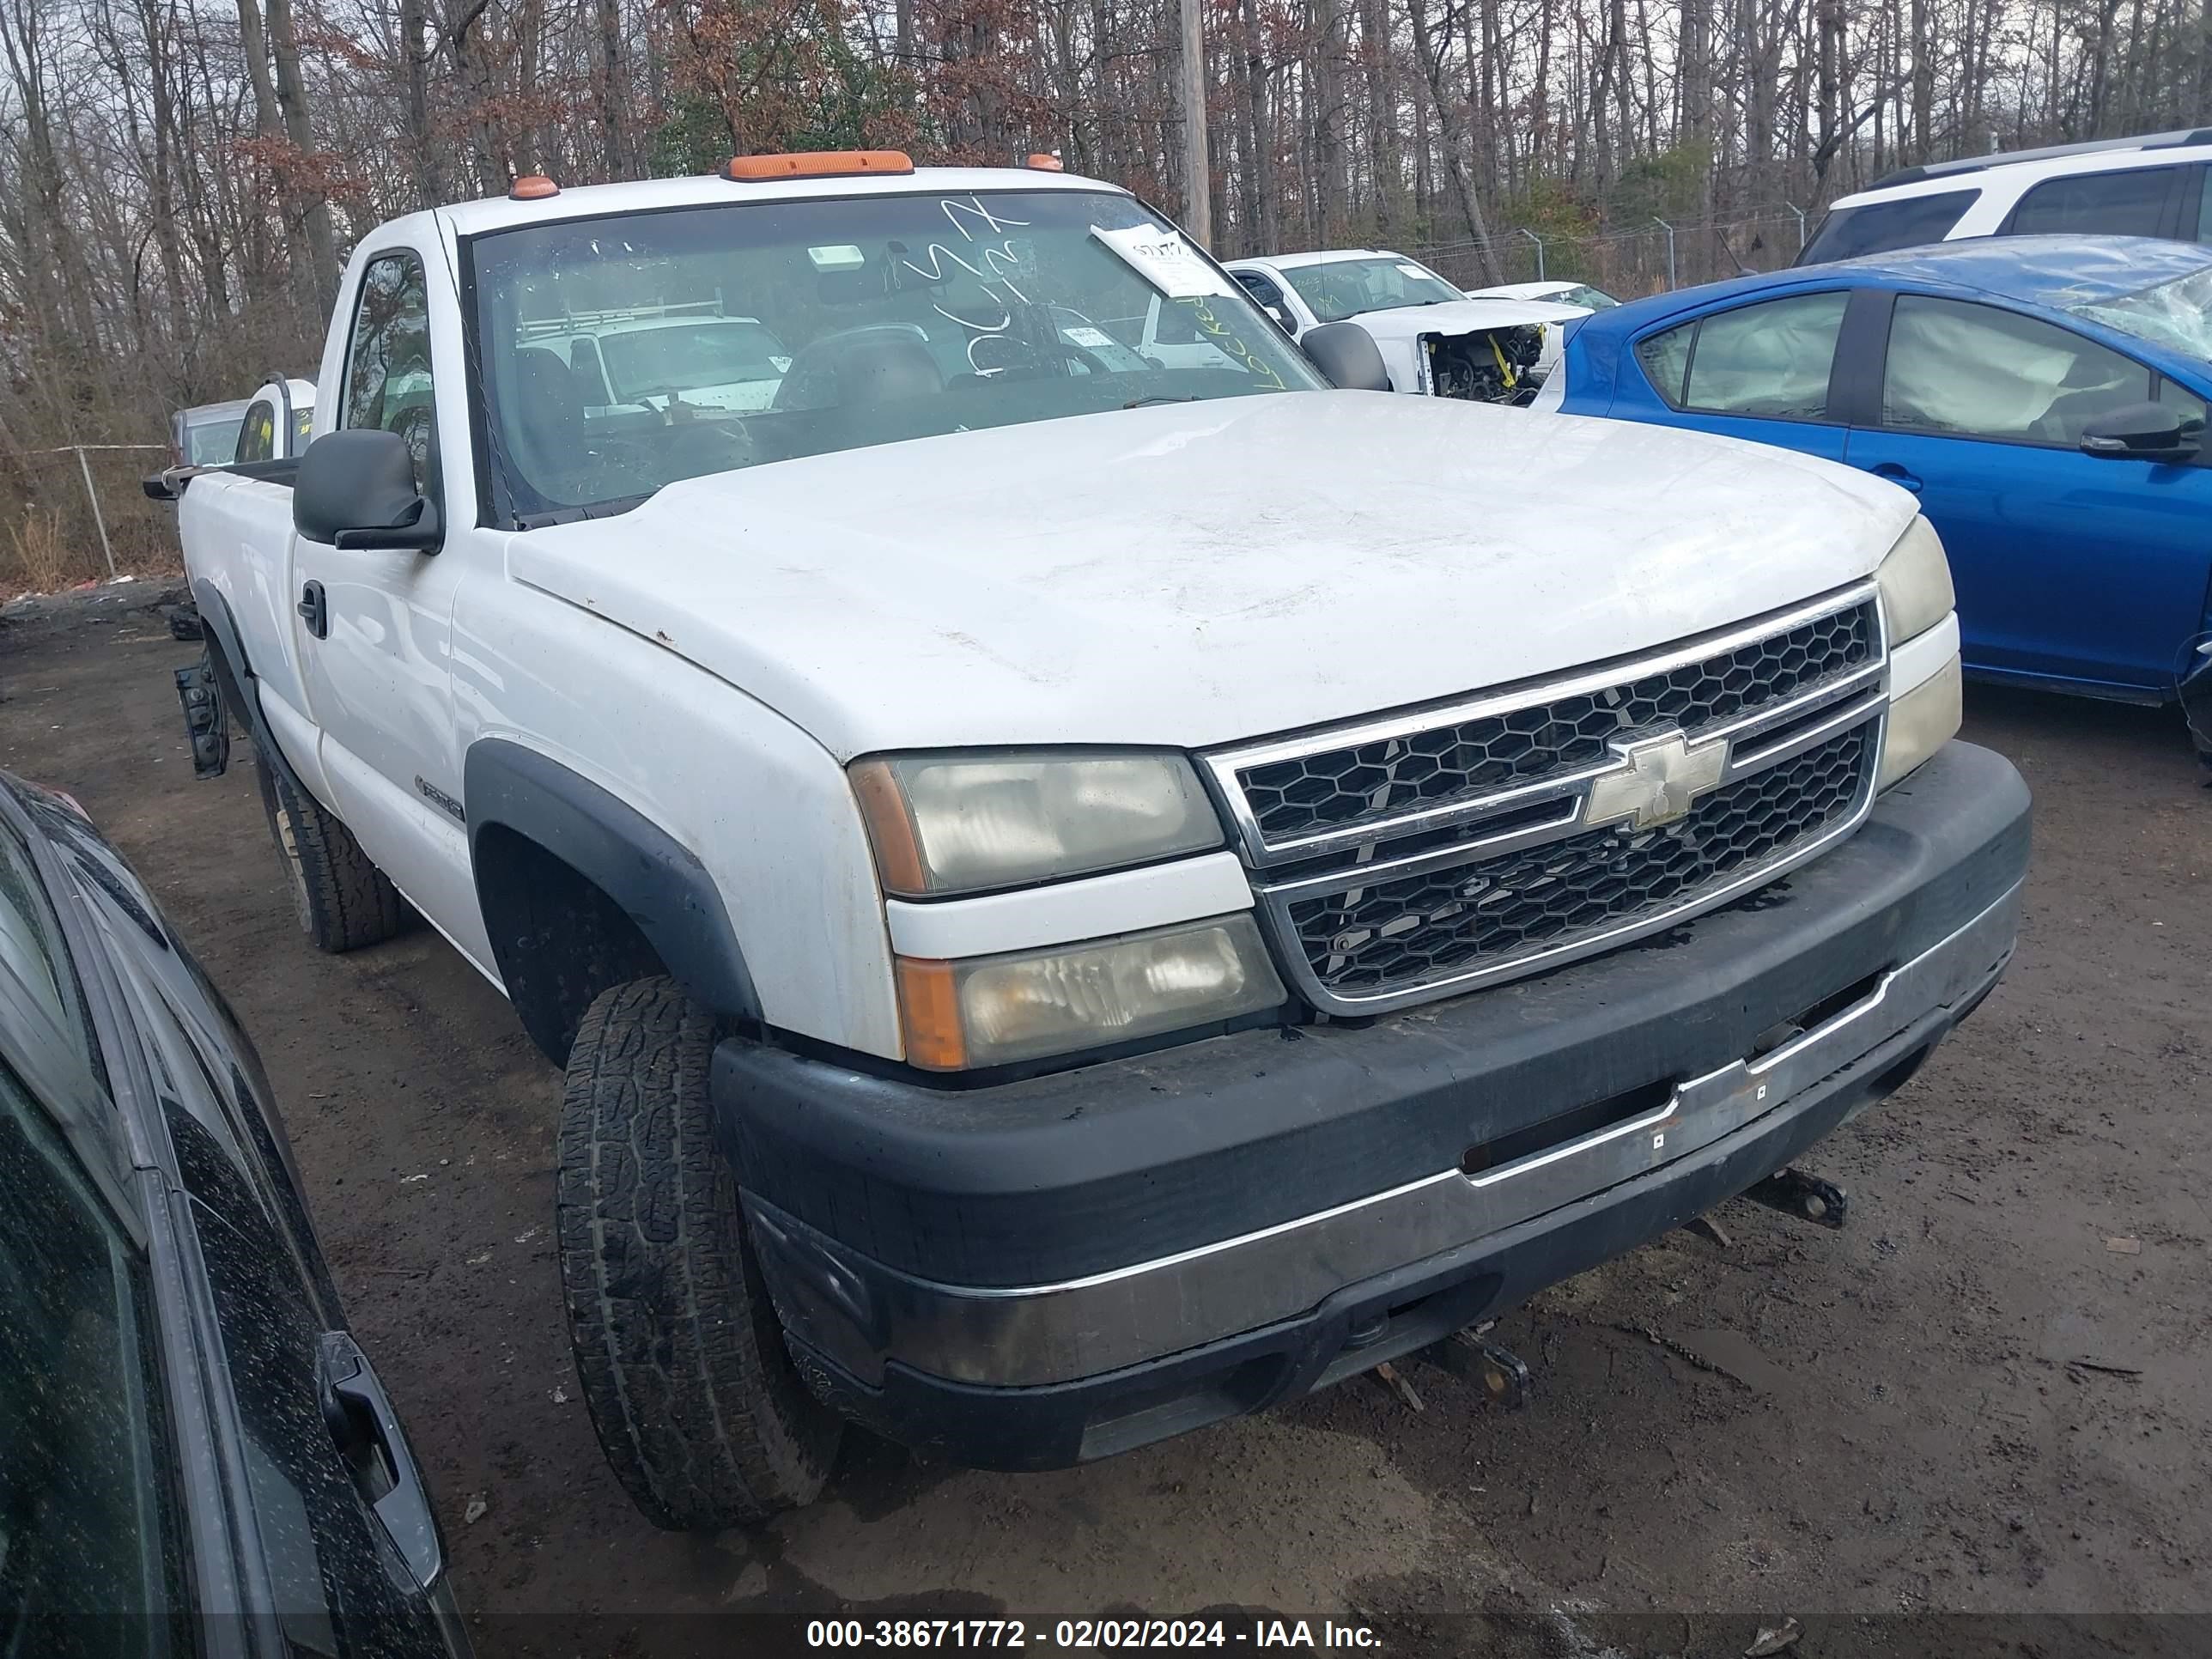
(2178, 313)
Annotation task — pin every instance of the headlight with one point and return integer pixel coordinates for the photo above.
(1921, 721)
(989, 1011)
(956, 824)
(1915, 578)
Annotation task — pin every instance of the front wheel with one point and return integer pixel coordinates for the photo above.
(342, 900)
(690, 1387)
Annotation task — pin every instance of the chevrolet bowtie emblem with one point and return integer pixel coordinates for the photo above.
(1658, 780)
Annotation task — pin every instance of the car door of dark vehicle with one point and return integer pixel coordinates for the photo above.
(2069, 568)
(325, 1552)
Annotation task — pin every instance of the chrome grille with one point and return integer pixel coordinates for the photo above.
(1460, 846)
(1408, 932)
(1360, 783)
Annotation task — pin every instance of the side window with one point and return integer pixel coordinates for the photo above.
(31, 956)
(2203, 220)
(387, 381)
(89, 1542)
(1769, 360)
(1666, 360)
(303, 427)
(256, 437)
(1178, 323)
(1975, 371)
(2180, 398)
(1880, 227)
(1263, 291)
(2126, 203)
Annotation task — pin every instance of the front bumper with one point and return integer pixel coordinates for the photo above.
(1047, 1272)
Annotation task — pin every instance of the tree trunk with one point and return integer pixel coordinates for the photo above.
(1449, 132)
(292, 104)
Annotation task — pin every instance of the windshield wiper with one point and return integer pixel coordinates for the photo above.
(1161, 398)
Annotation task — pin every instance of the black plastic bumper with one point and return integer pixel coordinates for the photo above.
(1088, 1172)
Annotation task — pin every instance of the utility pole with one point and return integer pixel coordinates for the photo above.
(1197, 175)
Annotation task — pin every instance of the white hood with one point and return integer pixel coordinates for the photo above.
(1188, 575)
(1462, 317)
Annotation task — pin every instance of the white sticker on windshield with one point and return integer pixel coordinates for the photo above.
(1414, 272)
(1162, 258)
(1095, 338)
(781, 365)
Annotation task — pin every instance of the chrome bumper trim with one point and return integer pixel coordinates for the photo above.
(859, 1313)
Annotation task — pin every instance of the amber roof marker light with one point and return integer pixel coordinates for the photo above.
(816, 164)
(533, 188)
(1044, 163)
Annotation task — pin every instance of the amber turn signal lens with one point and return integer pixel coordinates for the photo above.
(929, 1015)
(891, 827)
(815, 164)
(531, 187)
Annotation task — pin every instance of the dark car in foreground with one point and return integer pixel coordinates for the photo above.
(2044, 397)
(195, 1456)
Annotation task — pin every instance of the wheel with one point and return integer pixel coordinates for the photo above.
(343, 901)
(684, 1369)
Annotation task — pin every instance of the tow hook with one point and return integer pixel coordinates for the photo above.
(1501, 1374)
(1803, 1197)
(204, 720)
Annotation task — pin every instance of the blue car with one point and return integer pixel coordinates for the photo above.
(2044, 397)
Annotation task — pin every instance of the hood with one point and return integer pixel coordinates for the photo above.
(1188, 575)
(1462, 317)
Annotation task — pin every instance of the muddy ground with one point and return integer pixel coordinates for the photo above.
(1990, 1394)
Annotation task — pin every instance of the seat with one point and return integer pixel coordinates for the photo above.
(885, 370)
(549, 413)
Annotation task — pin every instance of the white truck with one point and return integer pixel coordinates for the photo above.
(1436, 341)
(1077, 897)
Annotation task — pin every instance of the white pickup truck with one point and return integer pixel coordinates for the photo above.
(1077, 894)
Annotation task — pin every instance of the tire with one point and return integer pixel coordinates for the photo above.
(342, 901)
(683, 1365)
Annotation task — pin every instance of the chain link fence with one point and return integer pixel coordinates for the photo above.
(1628, 263)
(79, 514)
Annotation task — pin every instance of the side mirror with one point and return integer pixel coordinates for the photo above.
(1346, 355)
(2142, 432)
(1276, 316)
(356, 489)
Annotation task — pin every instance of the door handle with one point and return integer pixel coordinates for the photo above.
(366, 1431)
(1899, 475)
(316, 612)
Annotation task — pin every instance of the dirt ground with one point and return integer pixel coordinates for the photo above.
(1990, 1394)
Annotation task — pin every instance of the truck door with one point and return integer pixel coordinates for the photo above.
(375, 626)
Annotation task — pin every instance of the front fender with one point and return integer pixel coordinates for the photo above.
(660, 884)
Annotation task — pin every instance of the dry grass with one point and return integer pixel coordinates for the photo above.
(40, 556)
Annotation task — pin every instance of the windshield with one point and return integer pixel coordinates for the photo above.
(1589, 298)
(1382, 281)
(688, 355)
(2178, 313)
(814, 326)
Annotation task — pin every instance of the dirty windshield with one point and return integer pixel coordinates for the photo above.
(1338, 288)
(620, 354)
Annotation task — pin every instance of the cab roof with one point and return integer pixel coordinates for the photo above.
(711, 190)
